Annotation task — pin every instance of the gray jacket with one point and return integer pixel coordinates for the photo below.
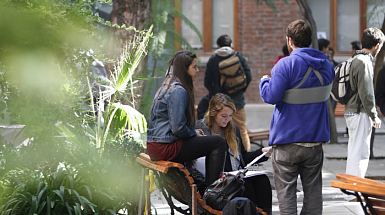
(362, 75)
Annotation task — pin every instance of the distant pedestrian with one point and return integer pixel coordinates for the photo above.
(354, 46)
(331, 57)
(323, 45)
(285, 53)
(214, 85)
(300, 123)
(360, 111)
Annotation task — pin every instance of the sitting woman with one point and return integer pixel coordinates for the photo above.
(171, 135)
(218, 122)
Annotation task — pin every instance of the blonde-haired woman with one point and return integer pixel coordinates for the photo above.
(218, 122)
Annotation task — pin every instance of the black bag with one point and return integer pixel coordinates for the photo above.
(240, 206)
(342, 90)
(221, 191)
(233, 78)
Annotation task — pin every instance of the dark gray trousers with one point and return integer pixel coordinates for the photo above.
(289, 161)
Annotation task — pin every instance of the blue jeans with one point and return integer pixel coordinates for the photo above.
(289, 161)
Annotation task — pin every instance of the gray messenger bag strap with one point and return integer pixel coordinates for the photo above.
(309, 95)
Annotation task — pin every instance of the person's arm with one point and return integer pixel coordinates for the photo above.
(248, 156)
(203, 106)
(177, 105)
(380, 90)
(365, 87)
(273, 89)
(209, 80)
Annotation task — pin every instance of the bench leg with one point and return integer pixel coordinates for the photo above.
(148, 194)
(145, 199)
(194, 199)
(142, 191)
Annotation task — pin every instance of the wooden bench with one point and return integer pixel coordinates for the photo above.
(340, 110)
(174, 180)
(258, 136)
(372, 191)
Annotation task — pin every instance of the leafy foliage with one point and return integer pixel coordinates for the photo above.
(45, 81)
(62, 192)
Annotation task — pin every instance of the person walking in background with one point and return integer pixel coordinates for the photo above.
(171, 134)
(285, 53)
(300, 122)
(218, 121)
(360, 110)
(212, 82)
(323, 46)
(331, 57)
(354, 46)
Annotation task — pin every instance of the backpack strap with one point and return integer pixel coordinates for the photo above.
(308, 95)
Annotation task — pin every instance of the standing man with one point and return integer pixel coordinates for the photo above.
(300, 123)
(354, 46)
(212, 82)
(360, 111)
(323, 45)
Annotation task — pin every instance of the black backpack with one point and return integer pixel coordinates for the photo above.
(233, 78)
(342, 90)
(240, 206)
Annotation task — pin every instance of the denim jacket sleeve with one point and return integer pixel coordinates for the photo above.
(177, 104)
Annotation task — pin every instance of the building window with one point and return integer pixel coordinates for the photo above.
(192, 9)
(341, 21)
(212, 17)
(223, 21)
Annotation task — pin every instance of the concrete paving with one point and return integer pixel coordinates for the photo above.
(258, 119)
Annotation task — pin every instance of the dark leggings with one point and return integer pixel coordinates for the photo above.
(213, 147)
(258, 190)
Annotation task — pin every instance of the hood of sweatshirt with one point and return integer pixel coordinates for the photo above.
(316, 59)
(224, 51)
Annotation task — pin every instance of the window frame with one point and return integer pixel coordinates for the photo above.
(207, 21)
(333, 24)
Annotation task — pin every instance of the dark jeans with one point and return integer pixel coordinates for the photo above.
(213, 147)
(289, 161)
(258, 190)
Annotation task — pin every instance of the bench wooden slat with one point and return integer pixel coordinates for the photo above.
(373, 191)
(362, 181)
(162, 163)
(358, 188)
(152, 165)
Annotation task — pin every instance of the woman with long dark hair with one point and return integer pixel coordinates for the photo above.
(171, 134)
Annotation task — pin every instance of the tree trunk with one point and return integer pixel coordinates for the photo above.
(134, 13)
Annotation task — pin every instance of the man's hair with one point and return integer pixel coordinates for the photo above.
(356, 45)
(224, 40)
(371, 37)
(332, 50)
(323, 43)
(300, 33)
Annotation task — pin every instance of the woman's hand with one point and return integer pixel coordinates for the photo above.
(199, 132)
(268, 150)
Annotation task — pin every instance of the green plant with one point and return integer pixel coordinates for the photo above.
(61, 192)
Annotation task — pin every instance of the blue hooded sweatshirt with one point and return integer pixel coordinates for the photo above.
(293, 123)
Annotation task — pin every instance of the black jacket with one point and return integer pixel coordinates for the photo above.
(380, 90)
(212, 77)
